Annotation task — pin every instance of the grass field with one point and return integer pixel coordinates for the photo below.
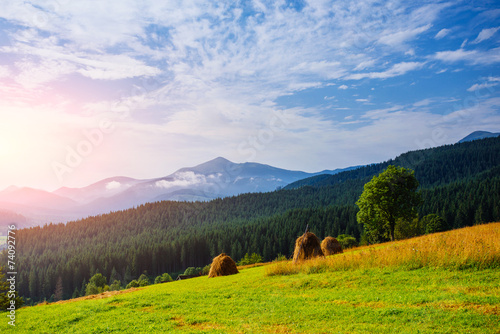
(318, 297)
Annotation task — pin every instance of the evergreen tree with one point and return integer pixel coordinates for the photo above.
(58, 293)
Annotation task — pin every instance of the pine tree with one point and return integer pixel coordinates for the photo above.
(58, 293)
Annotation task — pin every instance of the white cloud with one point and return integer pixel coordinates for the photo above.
(326, 69)
(113, 67)
(395, 70)
(113, 185)
(422, 103)
(45, 61)
(485, 34)
(217, 74)
(364, 65)
(400, 37)
(442, 33)
(488, 83)
(410, 52)
(182, 179)
(475, 87)
(473, 56)
(457, 55)
(362, 100)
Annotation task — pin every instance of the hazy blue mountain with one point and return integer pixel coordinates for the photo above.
(478, 135)
(104, 188)
(215, 178)
(36, 198)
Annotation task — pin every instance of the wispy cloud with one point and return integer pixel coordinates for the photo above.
(196, 79)
(113, 185)
(442, 33)
(473, 56)
(488, 83)
(182, 179)
(485, 34)
(400, 37)
(395, 70)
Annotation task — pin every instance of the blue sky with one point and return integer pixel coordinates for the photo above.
(142, 88)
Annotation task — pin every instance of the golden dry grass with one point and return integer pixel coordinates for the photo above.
(471, 247)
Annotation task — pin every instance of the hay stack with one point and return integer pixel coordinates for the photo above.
(331, 246)
(307, 247)
(222, 265)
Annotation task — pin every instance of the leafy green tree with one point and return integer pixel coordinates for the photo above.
(433, 223)
(132, 284)
(97, 284)
(98, 280)
(163, 278)
(115, 286)
(206, 270)
(390, 196)
(192, 271)
(143, 280)
(347, 241)
(250, 259)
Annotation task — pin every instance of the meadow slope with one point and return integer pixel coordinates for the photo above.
(316, 298)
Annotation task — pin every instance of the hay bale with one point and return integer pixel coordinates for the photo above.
(331, 246)
(222, 265)
(307, 247)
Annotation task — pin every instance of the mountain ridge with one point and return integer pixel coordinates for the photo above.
(476, 135)
(216, 178)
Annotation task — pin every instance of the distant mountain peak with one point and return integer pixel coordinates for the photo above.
(219, 159)
(218, 164)
(476, 135)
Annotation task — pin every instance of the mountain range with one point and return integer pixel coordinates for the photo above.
(213, 179)
(216, 178)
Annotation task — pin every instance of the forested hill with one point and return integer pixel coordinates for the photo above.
(461, 183)
(433, 167)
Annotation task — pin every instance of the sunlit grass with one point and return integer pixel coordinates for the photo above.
(475, 247)
(356, 292)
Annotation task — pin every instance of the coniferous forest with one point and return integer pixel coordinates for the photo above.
(460, 183)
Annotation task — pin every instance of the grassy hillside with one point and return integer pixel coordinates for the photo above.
(451, 286)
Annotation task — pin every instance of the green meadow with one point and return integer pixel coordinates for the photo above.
(378, 299)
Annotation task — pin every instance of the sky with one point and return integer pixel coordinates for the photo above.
(95, 89)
